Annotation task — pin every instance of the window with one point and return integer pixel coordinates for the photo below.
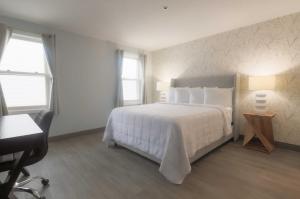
(24, 74)
(131, 79)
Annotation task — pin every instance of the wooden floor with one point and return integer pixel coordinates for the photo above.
(84, 168)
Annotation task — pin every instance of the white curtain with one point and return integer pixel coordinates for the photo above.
(142, 63)
(5, 34)
(50, 52)
(119, 99)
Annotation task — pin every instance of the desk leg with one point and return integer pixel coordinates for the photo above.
(13, 175)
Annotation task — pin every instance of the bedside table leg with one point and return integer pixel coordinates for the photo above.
(265, 141)
(249, 131)
(268, 130)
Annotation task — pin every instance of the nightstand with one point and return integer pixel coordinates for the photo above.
(259, 131)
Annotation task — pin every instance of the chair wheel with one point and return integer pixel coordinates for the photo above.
(45, 182)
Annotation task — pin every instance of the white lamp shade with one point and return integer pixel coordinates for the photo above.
(162, 86)
(261, 83)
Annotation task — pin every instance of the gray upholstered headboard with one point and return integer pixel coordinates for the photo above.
(212, 81)
(225, 81)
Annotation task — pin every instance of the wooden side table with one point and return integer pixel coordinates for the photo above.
(260, 126)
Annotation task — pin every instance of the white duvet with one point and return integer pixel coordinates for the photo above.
(172, 133)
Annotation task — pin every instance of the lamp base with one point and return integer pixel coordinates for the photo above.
(261, 104)
(163, 96)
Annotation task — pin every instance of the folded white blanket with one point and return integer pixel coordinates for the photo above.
(172, 133)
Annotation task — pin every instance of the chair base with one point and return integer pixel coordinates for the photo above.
(19, 186)
(33, 192)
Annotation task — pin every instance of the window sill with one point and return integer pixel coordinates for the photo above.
(132, 102)
(24, 111)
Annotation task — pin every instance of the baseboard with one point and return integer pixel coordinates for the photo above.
(288, 146)
(75, 134)
(282, 145)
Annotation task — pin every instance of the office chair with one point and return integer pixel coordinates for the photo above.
(43, 120)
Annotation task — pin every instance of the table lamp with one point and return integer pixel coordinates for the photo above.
(162, 88)
(261, 84)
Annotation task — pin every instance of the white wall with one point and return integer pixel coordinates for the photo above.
(86, 83)
(86, 75)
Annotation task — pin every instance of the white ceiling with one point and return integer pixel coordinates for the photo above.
(144, 23)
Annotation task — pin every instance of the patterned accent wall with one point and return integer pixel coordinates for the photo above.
(268, 48)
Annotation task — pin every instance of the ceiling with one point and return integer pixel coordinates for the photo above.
(145, 24)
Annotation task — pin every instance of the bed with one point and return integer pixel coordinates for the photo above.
(175, 135)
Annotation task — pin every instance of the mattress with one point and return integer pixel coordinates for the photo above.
(172, 134)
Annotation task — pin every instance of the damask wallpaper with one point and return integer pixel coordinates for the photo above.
(268, 48)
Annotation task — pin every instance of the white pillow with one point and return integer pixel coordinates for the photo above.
(182, 95)
(218, 96)
(196, 95)
(171, 95)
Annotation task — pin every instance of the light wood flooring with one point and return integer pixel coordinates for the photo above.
(84, 168)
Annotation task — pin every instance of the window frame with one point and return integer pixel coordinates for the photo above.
(138, 80)
(47, 75)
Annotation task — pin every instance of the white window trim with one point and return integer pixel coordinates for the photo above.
(47, 75)
(26, 109)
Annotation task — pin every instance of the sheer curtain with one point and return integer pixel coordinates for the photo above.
(5, 34)
(50, 52)
(119, 99)
(142, 65)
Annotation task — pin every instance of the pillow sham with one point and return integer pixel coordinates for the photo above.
(182, 95)
(218, 96)
(171, 95)
(196, 95)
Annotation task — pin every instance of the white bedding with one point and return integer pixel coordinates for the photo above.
(172, 133)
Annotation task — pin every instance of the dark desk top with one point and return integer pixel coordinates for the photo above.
(17, 132)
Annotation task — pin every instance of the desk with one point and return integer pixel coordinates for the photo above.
(18, 133)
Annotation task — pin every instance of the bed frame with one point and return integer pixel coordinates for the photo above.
(226, 81)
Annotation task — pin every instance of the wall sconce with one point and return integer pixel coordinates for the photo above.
(162, 88)
(261, 84)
